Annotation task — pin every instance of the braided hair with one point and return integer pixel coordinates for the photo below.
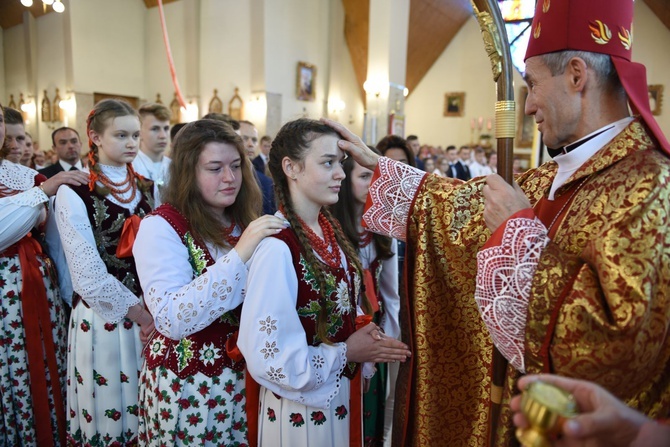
(294, 141)
(97, 121)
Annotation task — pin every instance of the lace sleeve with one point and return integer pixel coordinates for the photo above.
(391, 193)
(102, 292)
(273, 340)
(504, 277)
(19, 214)
(180, 304)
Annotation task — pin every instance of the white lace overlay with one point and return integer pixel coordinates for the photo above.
(392, 195)
(103, 292)
(17, 177)
(504, 277)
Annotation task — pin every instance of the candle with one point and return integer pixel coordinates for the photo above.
(472, 124)
(480, 122)
(489, 124)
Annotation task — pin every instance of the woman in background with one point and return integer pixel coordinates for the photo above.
(380, 271)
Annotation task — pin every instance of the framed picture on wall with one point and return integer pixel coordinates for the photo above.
(656, 98)
(526, 123)
(306, 82)
(454, 104)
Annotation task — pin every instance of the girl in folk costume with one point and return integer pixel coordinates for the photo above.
(207, 229)
(33, 322)
(97, 223)
(298, 331)
(380, 263)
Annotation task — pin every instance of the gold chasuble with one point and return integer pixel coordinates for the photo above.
(598, 302)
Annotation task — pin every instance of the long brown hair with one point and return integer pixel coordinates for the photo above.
(182, 190)
(345, 212)
(3, 151)
(98, 120)
(294, 141)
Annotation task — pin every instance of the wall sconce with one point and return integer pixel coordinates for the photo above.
(257, 107)
(190, 112)
(336, 106)
(28, 109)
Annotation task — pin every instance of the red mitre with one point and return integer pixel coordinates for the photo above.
(597, 26)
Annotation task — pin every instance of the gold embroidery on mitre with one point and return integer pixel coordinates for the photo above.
(537, 31)
(626, 38)
(600, 32)
(545, 6)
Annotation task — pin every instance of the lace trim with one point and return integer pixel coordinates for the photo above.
(391, 196)
(16, 177)
(342, 354)
(30, 198)
(504, 278)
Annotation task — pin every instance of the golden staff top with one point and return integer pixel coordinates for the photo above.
(492, 26)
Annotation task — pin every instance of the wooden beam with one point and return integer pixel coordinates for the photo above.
(662, 10)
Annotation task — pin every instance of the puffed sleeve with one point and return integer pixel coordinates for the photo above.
(180, 304)
(273, 340)
(19, 214)
(105, 294)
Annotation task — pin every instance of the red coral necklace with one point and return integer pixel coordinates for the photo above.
(326, 248)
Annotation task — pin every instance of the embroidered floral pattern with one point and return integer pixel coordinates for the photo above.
(318, 417)
(209, 353)
(276, 375)
(270, 350)
(268, 325)
(297, 420)
(196, 255)
(184, 352)
(271, 415)
(341, 412)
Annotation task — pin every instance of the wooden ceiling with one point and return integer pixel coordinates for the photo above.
(11, 11)
(662, 10)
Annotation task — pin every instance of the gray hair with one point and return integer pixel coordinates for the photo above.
(601, 64)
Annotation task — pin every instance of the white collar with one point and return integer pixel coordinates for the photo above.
(569, 163)
(66, 166)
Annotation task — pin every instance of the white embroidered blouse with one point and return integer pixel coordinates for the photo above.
(105, 294)
(273, 340)
(181, 305)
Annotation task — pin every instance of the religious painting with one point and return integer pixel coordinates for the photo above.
(454, 104)
(306, 82)
(656, 98)
(526, 123)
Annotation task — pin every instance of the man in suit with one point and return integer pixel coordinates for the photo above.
(249, 136)
(67, 145)
(261, 161)
(415, 146)
(457, 169)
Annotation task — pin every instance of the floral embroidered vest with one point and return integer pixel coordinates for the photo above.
(107, 219)
(343, 289)
(211, 349)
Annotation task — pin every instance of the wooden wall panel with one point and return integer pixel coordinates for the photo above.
(662, 10)
(356, 30)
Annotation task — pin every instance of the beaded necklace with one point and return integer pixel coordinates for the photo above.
(366, 238)
(228, 234)
(326, 248)
(117, 189)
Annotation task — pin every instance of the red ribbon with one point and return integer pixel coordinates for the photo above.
(128, 234)
(37, 326)
(168, 51)
(370, 292)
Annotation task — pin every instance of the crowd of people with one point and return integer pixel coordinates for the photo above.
(308, 290)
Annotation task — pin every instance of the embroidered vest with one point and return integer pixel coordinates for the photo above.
(211, 349)
(343, 288)
(107, 219)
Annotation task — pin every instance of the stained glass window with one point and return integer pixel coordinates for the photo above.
(518, 15)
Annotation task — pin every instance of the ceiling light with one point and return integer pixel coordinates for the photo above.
(58, 6)
(27, 3)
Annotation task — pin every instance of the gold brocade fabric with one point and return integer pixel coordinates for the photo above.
(599, 307)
